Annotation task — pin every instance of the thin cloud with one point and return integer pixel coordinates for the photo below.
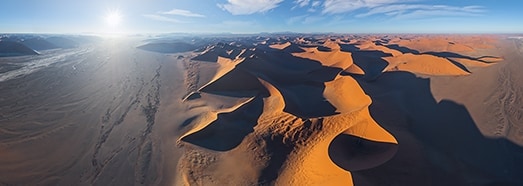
(296, 19)
(314, 6)
(181, 12)
(342, 6)
(306, 3)
(246, 7)
(305, 19)
(312, 19)
(162, 18)
(411, 11)
(302, 3)
(434, 13)
(398, 9)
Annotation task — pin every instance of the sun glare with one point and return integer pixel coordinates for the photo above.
(113, 18)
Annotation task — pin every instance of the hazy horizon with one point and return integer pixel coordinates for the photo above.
(257, 16)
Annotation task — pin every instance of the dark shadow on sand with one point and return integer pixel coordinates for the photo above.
(454, 152)
(229, 130)
(402, 49)
(353, 153)
(371, 63)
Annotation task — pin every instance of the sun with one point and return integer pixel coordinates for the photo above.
(113, 18)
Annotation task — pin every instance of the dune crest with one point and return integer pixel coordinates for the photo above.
(268, 109)
(306, 120)
(303, 104)
(424, 64)
(280, 46)
(335, 58)
(369, 46)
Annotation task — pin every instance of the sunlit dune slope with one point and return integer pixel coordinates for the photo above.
(424, 64)
(296, 113)
(304, 103)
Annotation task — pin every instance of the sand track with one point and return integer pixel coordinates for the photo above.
(508, 106)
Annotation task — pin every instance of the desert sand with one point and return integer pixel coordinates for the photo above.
(262, 110)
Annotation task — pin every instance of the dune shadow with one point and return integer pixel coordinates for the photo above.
(353, 153)
(307, 101)
(402, 49)
(293, 48)
(446, 55)
(459, 65)
(236, 80)
(300, 81)
(371, 62)
(456, 55)
(349, 48)
(454, 152)
(229, 130)
(211, 53)
(301, 92)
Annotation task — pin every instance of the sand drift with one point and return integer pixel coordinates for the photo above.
(30, 65)
(266, 110)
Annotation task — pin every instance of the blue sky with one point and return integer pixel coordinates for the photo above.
(253, 16)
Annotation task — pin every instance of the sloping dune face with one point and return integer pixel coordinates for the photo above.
(265, 110)
(300, 117)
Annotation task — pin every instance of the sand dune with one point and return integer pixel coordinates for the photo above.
(345, 94)
(469, 63)
(264, 110)
(425, 64)
(336, 107)
(226, 50)
(323, 130)
(440, 44)
(334, 58)
(281, 46)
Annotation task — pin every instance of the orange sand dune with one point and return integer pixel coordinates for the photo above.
(471, 62)
(424, 64)
(211, 116)
(447, 43)
(434, 44)
(309, 108)
(225, 66)
(372, 46)
(346, 95)
(279, 109)
(280, 46)
(301, 117)
(354, 69)
(333, 45)
(334, 58)
(309, 121)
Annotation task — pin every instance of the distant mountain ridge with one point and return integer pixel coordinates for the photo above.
(21, 44)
